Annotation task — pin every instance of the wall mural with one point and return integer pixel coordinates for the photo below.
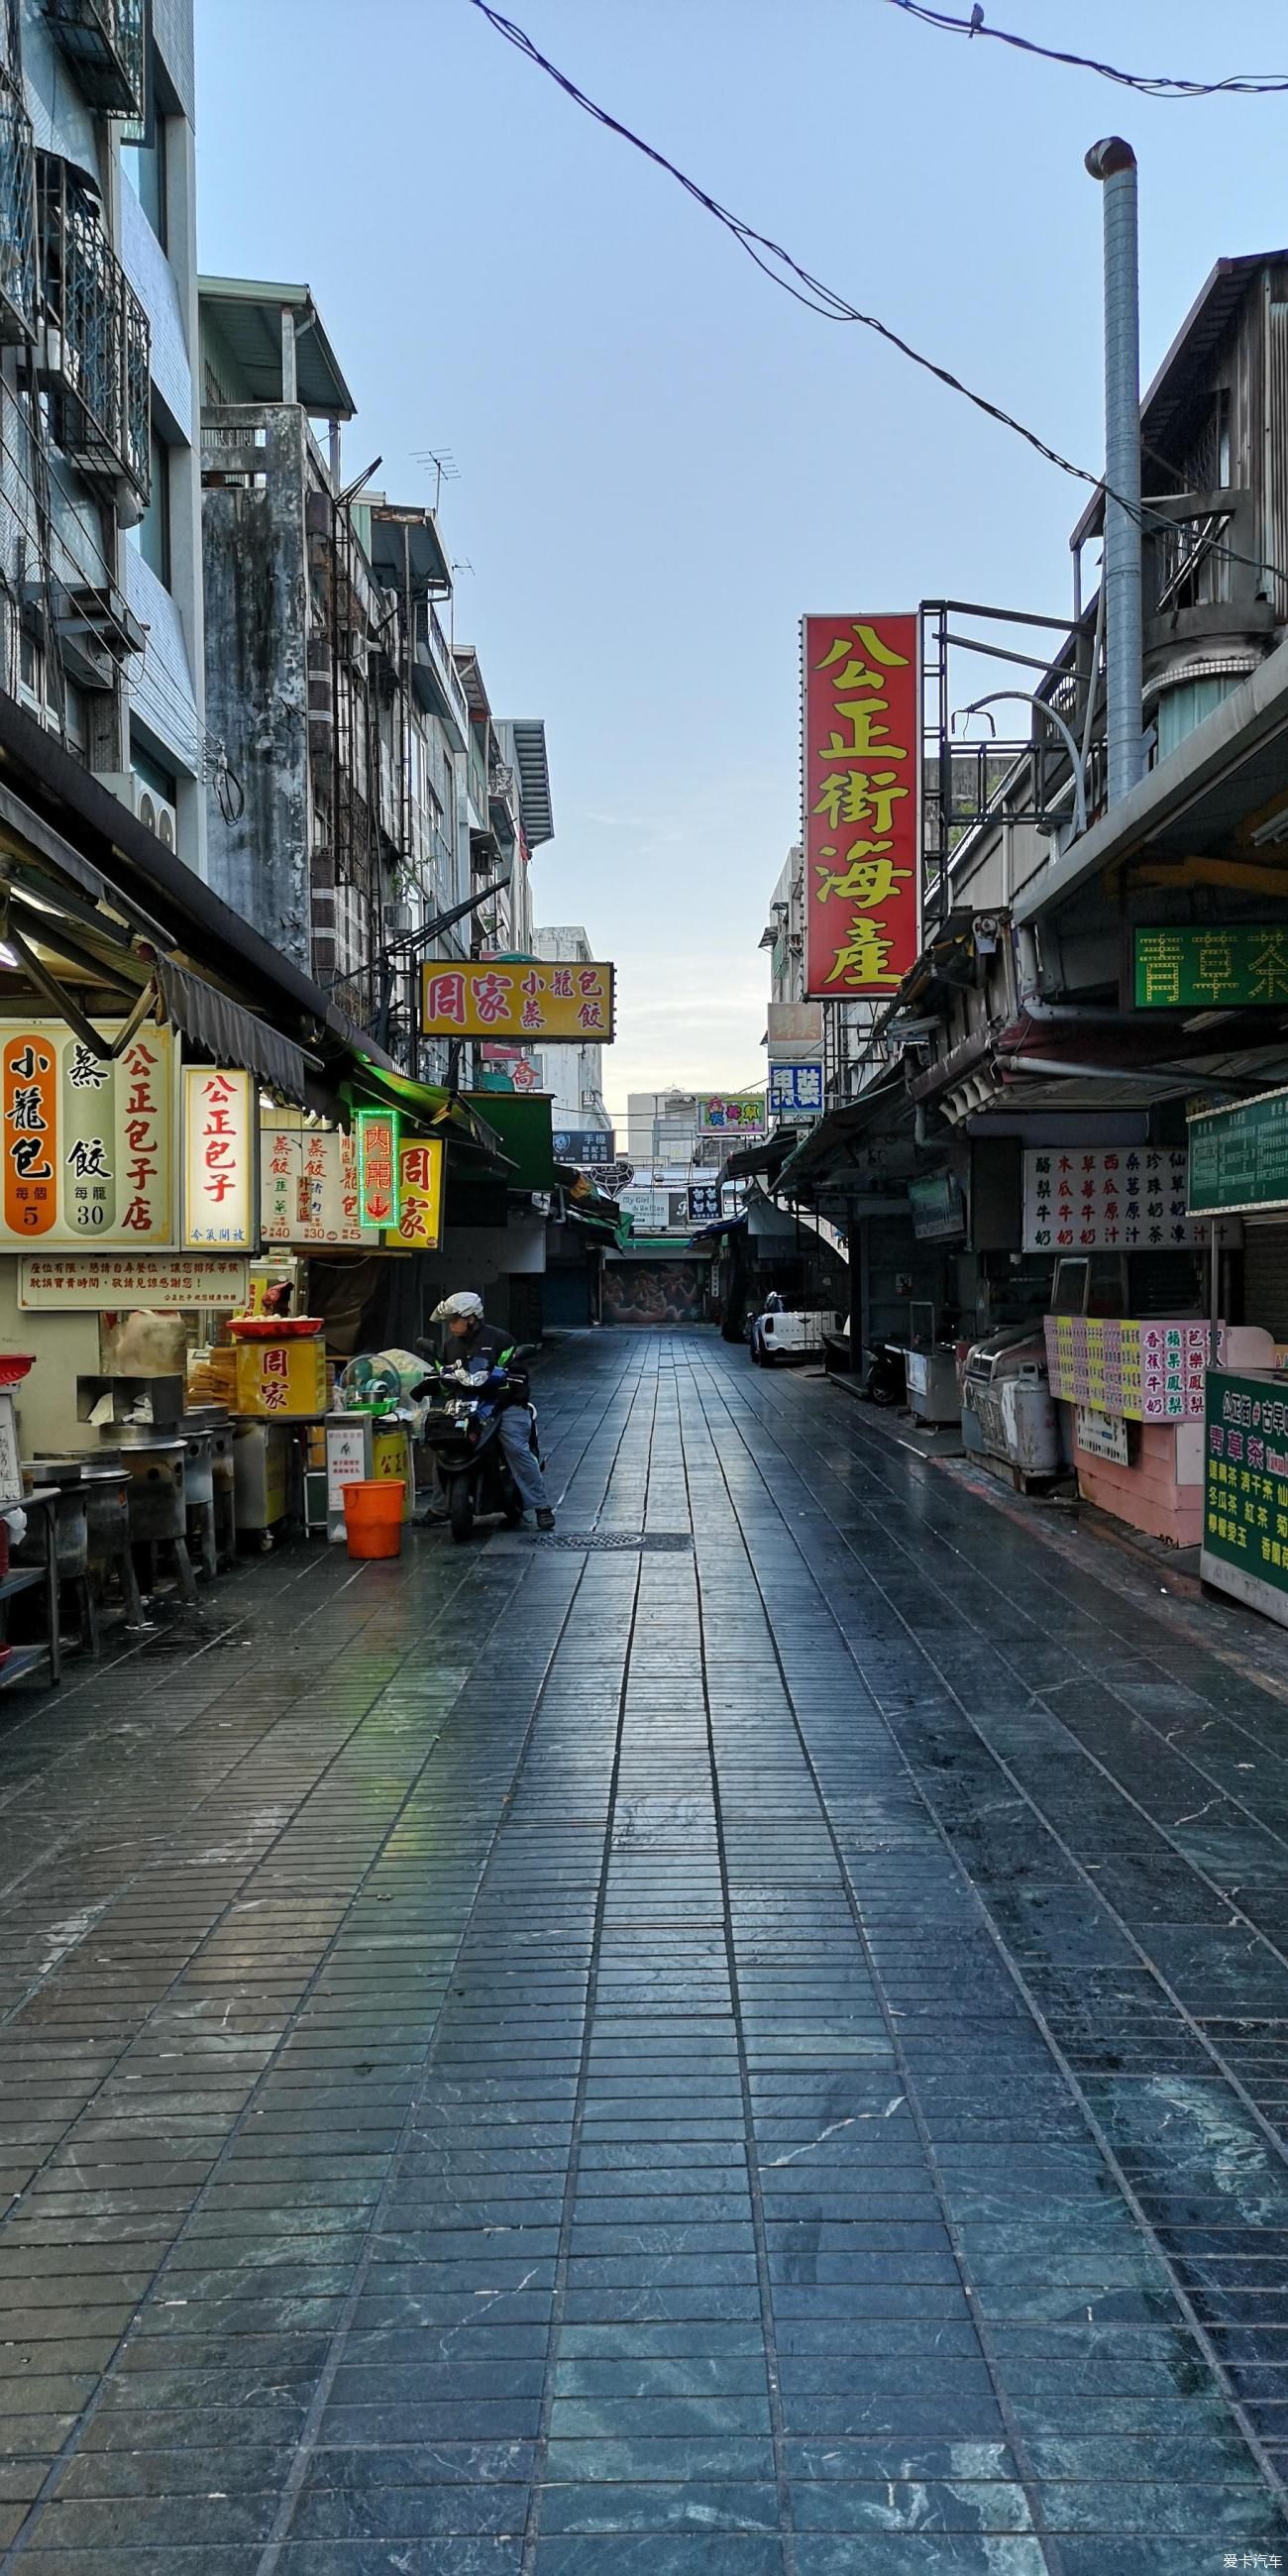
(646, 1294)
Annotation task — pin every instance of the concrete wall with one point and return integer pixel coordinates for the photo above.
(256, 590)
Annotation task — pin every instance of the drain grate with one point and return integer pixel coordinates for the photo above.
(616, 1542)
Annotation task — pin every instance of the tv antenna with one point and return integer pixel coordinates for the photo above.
(445, 468)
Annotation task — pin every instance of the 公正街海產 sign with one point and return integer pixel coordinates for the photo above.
(861, 736)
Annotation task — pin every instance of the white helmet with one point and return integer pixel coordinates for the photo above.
(463, 1303)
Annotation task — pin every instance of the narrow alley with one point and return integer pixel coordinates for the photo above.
(751, 2037)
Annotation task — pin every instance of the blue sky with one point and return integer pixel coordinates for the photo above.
(662, 459)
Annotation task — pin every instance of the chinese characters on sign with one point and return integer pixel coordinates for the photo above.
(220, 1129)
(862, 747)
(1239, 1156)
(518, 999)
(588, 1147)
(1125, 1199)
(112, 1279)
(87, 1140)
(308, 1190)
(1194, 967)
(1245, 1500)
(420, 1213)
(1145, 1372)
(796, 1090)
(732, 1117)
(704, 1202)
(379, 1137)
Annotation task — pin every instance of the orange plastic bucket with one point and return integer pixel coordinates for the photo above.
(373, 1509)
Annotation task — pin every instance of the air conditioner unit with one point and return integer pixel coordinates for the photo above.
(155, 814)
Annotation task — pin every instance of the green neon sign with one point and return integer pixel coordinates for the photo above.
(379, 1134)
(1192, 966)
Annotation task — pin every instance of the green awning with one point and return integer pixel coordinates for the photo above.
(433, 1111)
(522, 1121)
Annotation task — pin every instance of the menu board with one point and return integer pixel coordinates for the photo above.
(1238, 1158)
(1245, 1498)
(1125, 1198)
(1149, 1371)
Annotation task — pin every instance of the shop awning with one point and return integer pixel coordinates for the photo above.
(226, 1033)
(434, 1111)
(522, 1121)
(767, 1157)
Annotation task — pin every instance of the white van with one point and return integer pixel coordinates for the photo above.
(790, 1337)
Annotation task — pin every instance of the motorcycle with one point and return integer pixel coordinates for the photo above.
(462, 1431)
(883, 1374)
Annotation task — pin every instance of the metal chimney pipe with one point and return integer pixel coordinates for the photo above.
(1113, 163)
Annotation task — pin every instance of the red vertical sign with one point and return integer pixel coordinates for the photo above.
(862, 747)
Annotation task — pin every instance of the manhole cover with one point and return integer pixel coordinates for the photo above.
(617, 1542)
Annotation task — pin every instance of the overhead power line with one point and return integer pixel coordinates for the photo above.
(1149, 84)
(783, 270)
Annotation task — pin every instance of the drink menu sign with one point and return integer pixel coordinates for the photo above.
(1245, 1499)
(1150, 1371)
(1127, 1198)
(88, 1141)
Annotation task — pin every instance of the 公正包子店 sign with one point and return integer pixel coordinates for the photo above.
(529, 1000)
(220, 1138)
(88, 1141)
(861, 734)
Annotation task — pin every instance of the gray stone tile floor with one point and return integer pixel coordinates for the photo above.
(767, 2056)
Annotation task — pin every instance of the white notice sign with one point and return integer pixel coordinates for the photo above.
(1124, 1198)
(116, 1279)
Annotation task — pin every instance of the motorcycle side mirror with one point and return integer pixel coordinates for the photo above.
(524, 1351)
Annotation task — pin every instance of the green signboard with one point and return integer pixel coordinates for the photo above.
(1186, 966)
(1245, 1490)
(1239, 1157)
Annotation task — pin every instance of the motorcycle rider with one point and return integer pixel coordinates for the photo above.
(477, 1344)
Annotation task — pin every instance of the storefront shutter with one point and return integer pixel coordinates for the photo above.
(1265, 1278)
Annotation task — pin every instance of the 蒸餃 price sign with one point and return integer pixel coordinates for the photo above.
(88, 1141)
(861, 734)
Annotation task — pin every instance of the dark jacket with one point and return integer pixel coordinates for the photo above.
(483, 1342)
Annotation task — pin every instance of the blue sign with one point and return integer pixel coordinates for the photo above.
(588, 1147)
(796, 1090)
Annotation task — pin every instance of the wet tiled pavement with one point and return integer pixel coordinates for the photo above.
(765, 2056)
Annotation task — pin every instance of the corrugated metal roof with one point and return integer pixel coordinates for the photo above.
(247, 312)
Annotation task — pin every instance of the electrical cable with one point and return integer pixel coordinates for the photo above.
(779, 266)
(1149, 85)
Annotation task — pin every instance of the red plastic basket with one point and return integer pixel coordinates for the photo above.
(13, 1366)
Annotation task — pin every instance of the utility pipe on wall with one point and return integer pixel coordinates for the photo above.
(1113, 163)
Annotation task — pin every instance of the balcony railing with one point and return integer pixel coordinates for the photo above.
(96, 343)
(17, 215)
(104, 42)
